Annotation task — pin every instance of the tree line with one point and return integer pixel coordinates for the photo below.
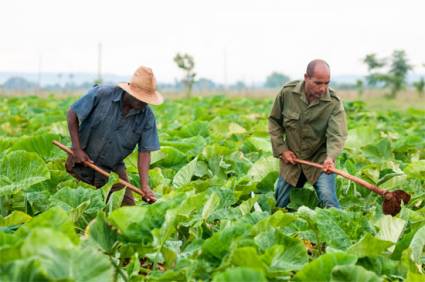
(387, 73)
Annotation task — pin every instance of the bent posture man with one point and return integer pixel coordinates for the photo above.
(106, 124)
(307, 121)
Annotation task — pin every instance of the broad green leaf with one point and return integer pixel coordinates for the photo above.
(239, 274)
(130, 221)
(10, 248)
(20, 170)
(191, 146)
(330, 231)
(81, 202)
(390, 228)
(136, 223)
(211, 204)
(246, 257)
(286, 254)
(417, 245)
(157, 179)
(416, 169)
(194, 128)
(414, 277)
(277, 220)
(41, 238)
(217, 246)
(246, 206)
(172, 157)
(15, 218)
(55, 218)
(28, 270)
(303, 197)
(382, 266)
(369, 246)
(360, 136)
(320, 269)
(76, 264)
(40, 144)
(235, 128)
(260, 144)
(379, 151)
(353, 273)
(263, 167)
(102, 233)
(202, 169)
(184, 175)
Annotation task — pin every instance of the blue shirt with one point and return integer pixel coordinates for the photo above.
(108, 136)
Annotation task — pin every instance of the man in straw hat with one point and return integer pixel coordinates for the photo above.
(106, 124)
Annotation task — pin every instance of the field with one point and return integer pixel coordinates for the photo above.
(216, 219)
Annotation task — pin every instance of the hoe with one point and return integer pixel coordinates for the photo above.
(392, 199)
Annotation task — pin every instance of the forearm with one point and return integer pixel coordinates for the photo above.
(143, 166)
(73, 128)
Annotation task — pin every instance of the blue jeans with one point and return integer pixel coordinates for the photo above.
(325, 188)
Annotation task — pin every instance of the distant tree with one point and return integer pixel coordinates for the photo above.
(395, 78)
(204, 84)
(17, 83)
(187, 64)
(238, 86)
(276, 80)
(360, 87)
(420, 86)
(398, 72)
(373, 66)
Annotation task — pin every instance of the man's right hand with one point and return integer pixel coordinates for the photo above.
(288, 157)
(80, 156)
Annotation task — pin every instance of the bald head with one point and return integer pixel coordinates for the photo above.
(317, 66)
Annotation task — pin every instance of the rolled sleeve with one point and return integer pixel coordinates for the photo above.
(84, 106)
(149, 140)
(336, 133)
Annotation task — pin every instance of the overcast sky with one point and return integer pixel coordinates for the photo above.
(230, 40)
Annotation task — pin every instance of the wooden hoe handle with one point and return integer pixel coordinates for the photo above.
(348, 176)
(101, 171)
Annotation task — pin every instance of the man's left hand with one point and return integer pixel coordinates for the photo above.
(149, 196)
(328, 164)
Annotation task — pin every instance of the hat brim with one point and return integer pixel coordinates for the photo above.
(153, 98)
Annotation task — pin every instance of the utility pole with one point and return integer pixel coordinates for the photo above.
(99, 63)
(40, 65)
(225, 68)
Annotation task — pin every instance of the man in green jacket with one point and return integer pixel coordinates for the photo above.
(308, 122)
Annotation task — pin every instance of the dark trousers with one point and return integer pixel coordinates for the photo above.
(91, 177)
(325, 188)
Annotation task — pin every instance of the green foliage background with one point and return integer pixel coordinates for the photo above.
(216, 218)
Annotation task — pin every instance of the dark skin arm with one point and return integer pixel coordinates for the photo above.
(79, 154)
(143, 163)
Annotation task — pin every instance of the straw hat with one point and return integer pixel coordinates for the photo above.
(143, 86)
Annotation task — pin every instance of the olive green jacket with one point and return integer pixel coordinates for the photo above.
(312, 131)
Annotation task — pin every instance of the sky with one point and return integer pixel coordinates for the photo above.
(229, 40)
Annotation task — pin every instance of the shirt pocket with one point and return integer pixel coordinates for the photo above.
(290, 119)
(132, 137)
(99, 115)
